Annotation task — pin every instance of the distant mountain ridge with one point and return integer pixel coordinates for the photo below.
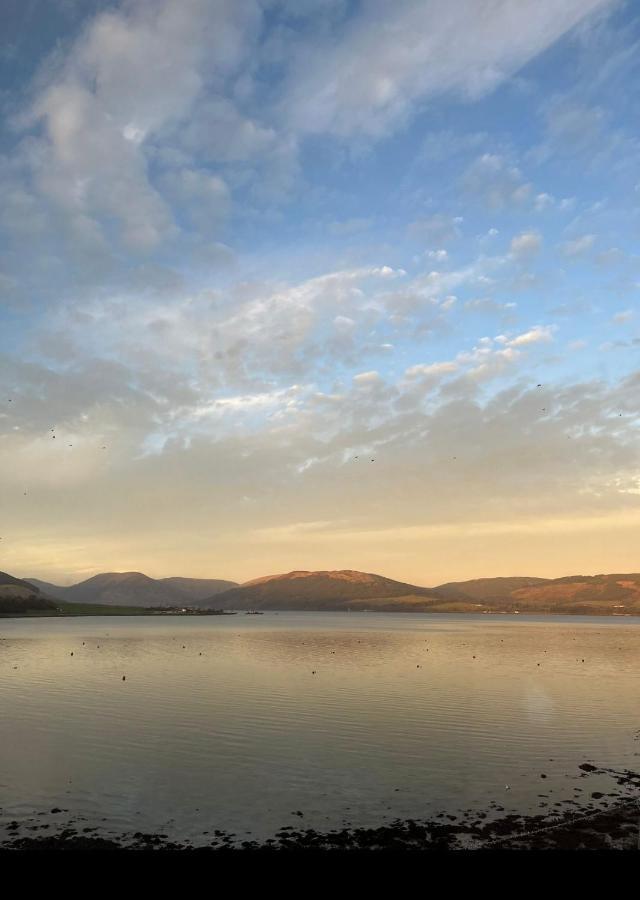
(574, 594)
(349, 589)
(137, 589)
(197, 589)
(46, 588)
(488, 588)
(619, 594)
(18, 596)
(569, 595)
(317, 590)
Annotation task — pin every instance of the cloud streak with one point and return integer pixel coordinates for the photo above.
(249, 246)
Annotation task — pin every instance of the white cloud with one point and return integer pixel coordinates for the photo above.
(498, 183)
(544, 201)
(131, 78)
(610, 257)
(485, 362)
(163, 123)
(387, 272)
(574, 129)
(435, 228)
(578, 246)
(526, 244)
(367, 378)
(244, 338)
(247, 403)
(221, 133)
(441, 146)
(361, 81)
(441, 368)
(204, 198)
(537, 334)
(489, 305)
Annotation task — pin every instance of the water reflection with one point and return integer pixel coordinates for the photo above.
(237, 723)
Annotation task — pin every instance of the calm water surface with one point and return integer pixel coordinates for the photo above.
(221, 722)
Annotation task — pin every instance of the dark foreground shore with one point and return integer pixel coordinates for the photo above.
(614, 827)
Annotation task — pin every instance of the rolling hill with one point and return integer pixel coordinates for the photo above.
(488, 588)
(135, 589)
(121, 589)
(341, 589)
(18, 596)
(197, 589)
(348, 589)
(48, 589)
(572, 594)
(584, 594)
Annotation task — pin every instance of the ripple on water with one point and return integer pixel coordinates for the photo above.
(244, 733)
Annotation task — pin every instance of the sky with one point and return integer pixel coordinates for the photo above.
(319, 284)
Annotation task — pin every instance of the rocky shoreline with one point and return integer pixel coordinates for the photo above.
(615, 827)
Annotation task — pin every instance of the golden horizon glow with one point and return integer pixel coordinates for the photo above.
(424, 556)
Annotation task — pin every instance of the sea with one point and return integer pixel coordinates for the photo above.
(248, 724)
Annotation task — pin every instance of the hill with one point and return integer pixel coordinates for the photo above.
(584, 594)
(343, 590)
(322, 591)
(135, 589)
(48, 589)
(572, 594)
(120, 589)
(346, 590)
(197, 589)
(488, 588)
(18, 596)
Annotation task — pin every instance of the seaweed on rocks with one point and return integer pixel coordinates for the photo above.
(577, 827)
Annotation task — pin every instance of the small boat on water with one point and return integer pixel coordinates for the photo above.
(254, 612)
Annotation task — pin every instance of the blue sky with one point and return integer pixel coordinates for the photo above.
(245, 242)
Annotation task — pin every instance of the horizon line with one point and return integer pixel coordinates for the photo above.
(319, 571)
